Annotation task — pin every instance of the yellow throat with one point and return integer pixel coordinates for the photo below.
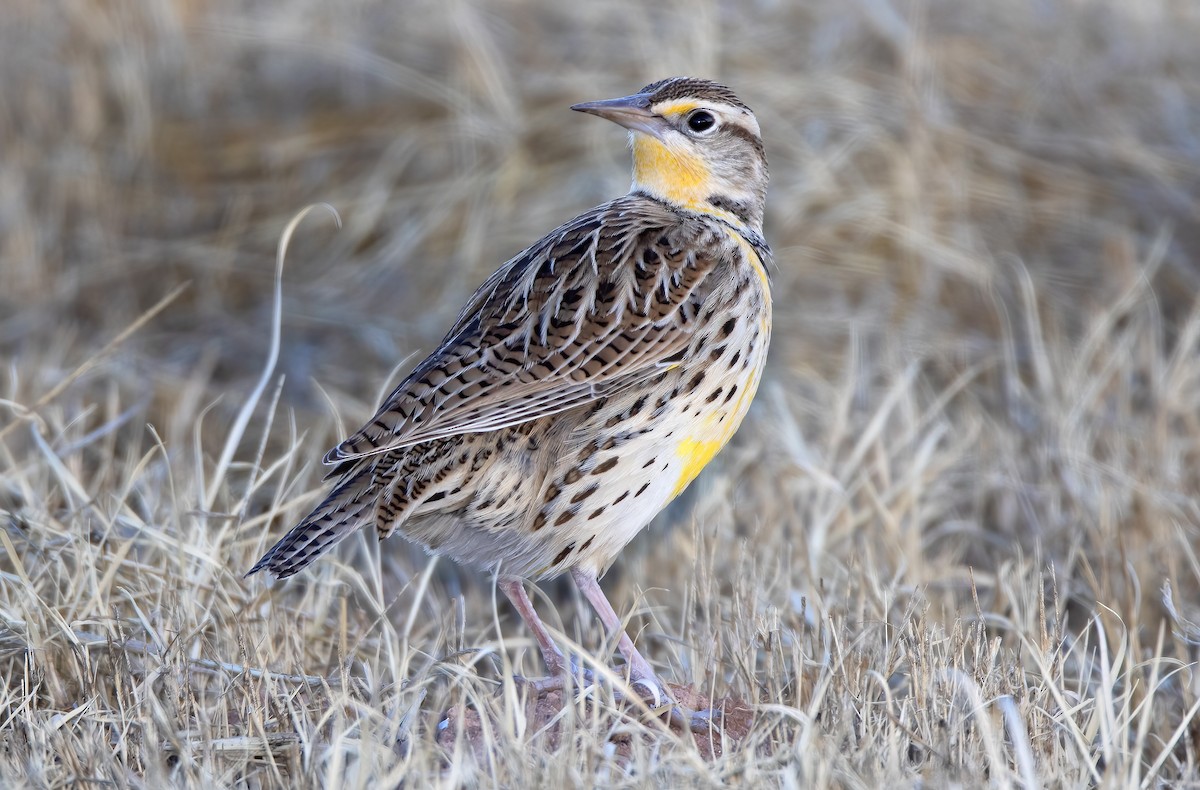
(671, 173)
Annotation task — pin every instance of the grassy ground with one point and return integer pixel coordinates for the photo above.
(955, 542)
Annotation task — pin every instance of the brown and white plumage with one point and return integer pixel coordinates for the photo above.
(586, 311)
(589, 379)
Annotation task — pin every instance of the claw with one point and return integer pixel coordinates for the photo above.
(655, 696)
(659, 700)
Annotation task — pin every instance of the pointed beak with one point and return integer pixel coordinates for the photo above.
(632, 112)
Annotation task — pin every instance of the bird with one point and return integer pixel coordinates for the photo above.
(586, 382)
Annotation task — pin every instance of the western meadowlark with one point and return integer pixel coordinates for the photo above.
(587, 382)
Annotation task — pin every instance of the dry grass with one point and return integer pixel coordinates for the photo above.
(955, 542)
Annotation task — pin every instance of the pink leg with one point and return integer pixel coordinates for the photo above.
(640, 671)
(514, 589)
(639, 667)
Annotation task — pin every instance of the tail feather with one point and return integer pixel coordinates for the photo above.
(350, 505)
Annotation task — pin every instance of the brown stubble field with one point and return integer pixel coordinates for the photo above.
(955, 542)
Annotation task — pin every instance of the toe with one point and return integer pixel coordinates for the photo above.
(541, 685)
(703, 720)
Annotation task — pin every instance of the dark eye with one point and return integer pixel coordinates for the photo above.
(701, 121)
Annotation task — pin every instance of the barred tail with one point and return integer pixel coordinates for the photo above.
(350, 505)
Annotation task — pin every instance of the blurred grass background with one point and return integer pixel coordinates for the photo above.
(973, 463)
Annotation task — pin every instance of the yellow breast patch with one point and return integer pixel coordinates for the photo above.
(696, 453)
(701, 447)
(711, 433)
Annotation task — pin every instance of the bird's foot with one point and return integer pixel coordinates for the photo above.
(642, 691)
(646, 690)
(557, 679)
(659, 699)
(694, 720)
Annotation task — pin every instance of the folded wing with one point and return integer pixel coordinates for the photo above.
(602, 303)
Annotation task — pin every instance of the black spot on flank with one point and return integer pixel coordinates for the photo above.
(551, 493)
(598, 511)
(729, 397)
(540, 521)
(439, 496)
(584, 494)
(715, 394)
(727, 328)
(736, 356)
(678, 357)
(613, 420)
(562, 555)
(716, 353)
(622, 496)
(605, 466)
(587, 543)
(641, 490)
(649, 463)
(563, 518)
(637, 406)
(573, 476)
(696, 381)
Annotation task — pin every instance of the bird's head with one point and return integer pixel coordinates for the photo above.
(695, 145)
